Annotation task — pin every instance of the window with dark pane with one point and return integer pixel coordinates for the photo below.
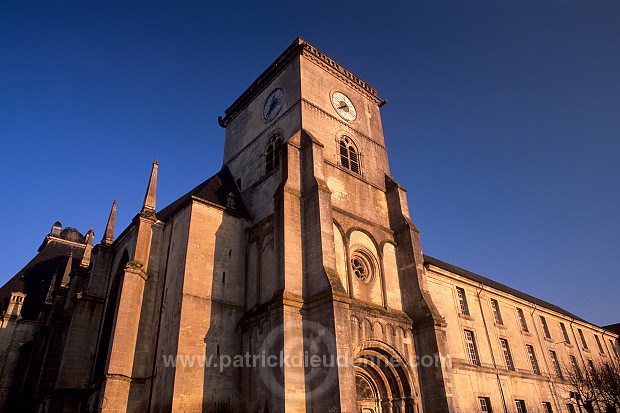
(349, 156)
(543, 322)
(460, 292)
(598, 343)
(565, 333)
(497, 314)
(485, 404)
(575, 366)
(520, 406)
(532, 356)
(472, 350)
(556, 364)
(506, 351)
(583, 339)
(522, 320)
(272, 157)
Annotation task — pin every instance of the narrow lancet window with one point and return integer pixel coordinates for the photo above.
(272, 158)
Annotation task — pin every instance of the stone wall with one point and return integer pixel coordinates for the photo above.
(493, 378)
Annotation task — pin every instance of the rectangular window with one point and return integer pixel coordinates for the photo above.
(547, 407)
(533, 361)
(571, 408)
(611, 344)
(583, 339)
(507, 356)
(565, 333)
(485, 405)
(575, 366)
(522, 320)
(462, 301)
(472, 350)
(556, 364)
(520, 406)
(496, 312)
(598, 343)
(545, 327)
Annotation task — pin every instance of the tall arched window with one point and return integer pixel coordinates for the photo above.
(349, 157)
(272, 158)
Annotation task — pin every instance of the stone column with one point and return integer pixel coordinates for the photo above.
(326, 299)
(120, 365)
(288, 391)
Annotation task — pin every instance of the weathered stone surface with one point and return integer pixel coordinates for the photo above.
(298, 251)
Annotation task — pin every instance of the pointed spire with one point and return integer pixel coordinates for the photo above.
(148, 207)
(50, 298)
(108, 237)
(66, 275)
(90, 236)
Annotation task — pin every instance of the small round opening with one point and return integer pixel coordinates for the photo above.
(361, 266)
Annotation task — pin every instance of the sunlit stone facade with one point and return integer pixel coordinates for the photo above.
(300, 250)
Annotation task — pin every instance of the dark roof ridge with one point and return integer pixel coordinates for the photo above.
(499, 286)
(213, 190)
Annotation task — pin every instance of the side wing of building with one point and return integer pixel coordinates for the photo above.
(510, 351)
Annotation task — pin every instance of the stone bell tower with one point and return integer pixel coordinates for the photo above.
(305, 145)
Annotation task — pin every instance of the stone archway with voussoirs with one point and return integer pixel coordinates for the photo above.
(384, 381)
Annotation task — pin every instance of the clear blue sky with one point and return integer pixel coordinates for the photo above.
(503, 120)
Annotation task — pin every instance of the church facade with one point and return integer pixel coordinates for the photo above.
(293, 280)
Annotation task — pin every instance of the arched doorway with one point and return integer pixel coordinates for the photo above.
(367, 394)
(383, 380)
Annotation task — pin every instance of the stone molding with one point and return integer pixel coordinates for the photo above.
(348, 126)
(134, 267)
(118, 377)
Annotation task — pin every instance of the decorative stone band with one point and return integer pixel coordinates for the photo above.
(118, 377)
(126, 379)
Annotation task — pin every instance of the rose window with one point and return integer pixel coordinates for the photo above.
(361, 266)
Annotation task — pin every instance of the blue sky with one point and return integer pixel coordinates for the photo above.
(503, 120)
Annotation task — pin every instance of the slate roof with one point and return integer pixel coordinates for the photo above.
(215, 191)
(498, 286)
(614, 328)
(34, 279)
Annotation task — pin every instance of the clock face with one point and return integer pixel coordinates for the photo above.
(344, 106)
(273, 105)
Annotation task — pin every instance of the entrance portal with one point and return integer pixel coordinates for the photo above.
(383, 381)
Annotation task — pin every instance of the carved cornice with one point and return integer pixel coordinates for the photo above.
(299, 48)
(331, 66)
(135, 267)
